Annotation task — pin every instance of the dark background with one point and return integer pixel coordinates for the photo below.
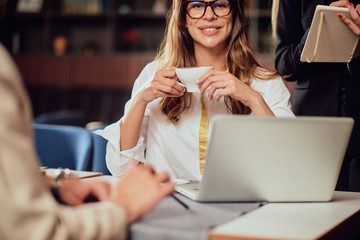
(109, 42)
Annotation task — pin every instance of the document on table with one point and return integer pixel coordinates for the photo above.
(78, 174)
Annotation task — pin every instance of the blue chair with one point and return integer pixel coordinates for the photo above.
(99, 151)
(63, 146)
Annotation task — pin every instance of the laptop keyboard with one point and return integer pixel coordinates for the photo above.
(190, 187)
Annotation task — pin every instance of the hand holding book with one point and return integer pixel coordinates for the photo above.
(330, 40)
(354, 23)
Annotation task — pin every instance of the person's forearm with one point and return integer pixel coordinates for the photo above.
(291, 38)
(287, 59)
(130, 125)
(259, 107)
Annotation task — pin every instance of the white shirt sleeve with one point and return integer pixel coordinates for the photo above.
(276, 95)
(116, 159)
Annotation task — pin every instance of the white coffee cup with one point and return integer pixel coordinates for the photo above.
(189, 76)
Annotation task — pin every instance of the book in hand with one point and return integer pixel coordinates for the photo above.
(329, 38)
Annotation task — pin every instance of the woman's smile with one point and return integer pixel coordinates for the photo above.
(210, 30)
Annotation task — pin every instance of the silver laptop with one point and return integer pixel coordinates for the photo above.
(271, 159)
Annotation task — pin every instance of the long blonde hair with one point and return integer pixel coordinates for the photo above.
(177, 50)
(274, 15)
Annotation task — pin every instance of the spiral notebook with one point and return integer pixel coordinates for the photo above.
(329, 38)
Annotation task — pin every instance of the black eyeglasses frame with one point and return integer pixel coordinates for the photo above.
(207, 3)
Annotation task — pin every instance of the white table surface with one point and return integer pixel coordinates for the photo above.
(291, 220)
(285, 220)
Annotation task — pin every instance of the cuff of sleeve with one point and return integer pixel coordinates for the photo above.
(112, 134)
(136, 152)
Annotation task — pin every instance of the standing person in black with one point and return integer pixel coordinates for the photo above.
(320, 89)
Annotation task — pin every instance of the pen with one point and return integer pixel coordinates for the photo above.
(179, 201)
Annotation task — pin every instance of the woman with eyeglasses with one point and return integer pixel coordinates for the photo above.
(171, 123)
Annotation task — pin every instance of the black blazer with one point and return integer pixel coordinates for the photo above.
(321, 89)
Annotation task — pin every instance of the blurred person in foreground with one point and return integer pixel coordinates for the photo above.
(28, 209)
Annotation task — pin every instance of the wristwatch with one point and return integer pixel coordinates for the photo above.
(60, 174)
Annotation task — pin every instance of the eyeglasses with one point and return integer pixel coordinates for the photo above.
(197, 9)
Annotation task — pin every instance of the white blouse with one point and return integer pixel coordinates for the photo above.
(175, 148)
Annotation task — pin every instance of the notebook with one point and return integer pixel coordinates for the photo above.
(329, 38)
(271, 159)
